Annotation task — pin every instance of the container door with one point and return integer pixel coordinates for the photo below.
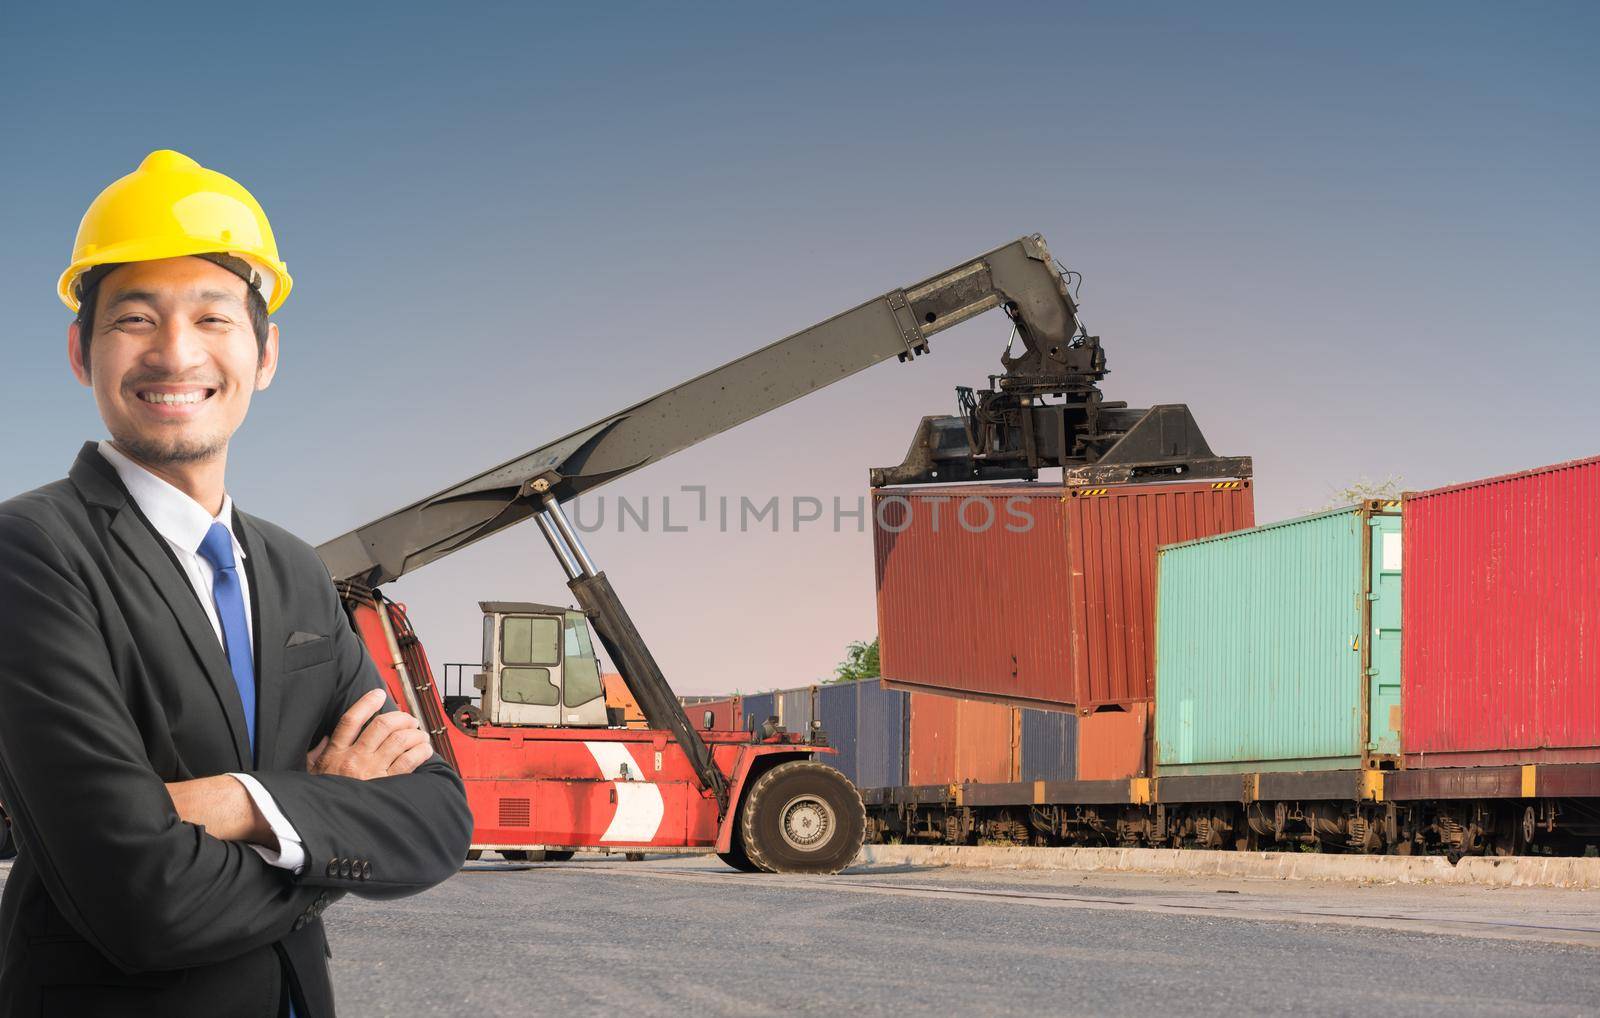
(1383, 671)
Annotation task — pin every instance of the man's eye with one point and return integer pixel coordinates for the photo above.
(216, 320)
(132, 320)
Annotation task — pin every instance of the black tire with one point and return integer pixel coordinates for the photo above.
(736, 856)
(802, 817)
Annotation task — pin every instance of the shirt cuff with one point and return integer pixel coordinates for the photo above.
(291, 853)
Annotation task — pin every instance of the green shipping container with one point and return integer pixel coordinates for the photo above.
(1278, 648)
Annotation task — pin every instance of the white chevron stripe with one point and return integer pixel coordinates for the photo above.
(612, 758)
(640, 807)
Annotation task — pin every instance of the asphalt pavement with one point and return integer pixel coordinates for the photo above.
(686, 935)
(675, 935)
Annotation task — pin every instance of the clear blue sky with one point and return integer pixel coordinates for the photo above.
(1358, 240)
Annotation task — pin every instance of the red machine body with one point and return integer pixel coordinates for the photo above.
(571, 788)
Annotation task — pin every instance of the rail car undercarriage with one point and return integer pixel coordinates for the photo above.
(1140, 814)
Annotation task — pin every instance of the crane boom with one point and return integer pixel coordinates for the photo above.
(1011, 430)
(1020, 277)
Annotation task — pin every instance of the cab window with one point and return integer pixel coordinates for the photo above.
(530, 641)
(581, 674)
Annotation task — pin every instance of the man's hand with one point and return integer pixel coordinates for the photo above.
(221, 805)
(391, 743)
(363, 746)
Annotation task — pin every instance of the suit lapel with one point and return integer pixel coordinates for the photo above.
(266, 595)
(96, 479)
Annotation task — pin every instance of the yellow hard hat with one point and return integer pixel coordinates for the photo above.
(169, 207)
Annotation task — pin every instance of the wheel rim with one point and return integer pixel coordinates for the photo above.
(806, 822)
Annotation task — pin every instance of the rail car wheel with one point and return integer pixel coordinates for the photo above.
(802, 817)
(514, 854)
(558, 855)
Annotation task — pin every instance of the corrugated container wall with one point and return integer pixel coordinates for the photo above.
(1263, 643)
(1033, 592)
(1502, 619)
(1049, 746)
(797, 708)
(954, 740)
(838, 709)
(758, 707)
(881, 718)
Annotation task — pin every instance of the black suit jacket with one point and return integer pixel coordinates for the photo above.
(112, 681)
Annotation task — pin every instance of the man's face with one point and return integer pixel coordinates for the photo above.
(174, 358)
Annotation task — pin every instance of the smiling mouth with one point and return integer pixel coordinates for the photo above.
(177, 398)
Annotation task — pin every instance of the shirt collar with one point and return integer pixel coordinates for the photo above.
(176, 516)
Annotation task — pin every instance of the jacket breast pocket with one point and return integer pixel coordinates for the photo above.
(308, 654)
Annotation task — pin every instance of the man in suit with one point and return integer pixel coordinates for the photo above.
(195, 749)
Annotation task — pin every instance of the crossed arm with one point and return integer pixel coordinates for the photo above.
(361, 746)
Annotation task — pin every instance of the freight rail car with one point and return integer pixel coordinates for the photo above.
(1277, 720)
(1058, 778)
(1302, 699)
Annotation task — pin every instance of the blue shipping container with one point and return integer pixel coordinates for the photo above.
(1049, 745)
(881, 718)
(837, 709)
(758, 707)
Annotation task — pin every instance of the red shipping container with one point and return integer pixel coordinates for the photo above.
(726, 715)
(951, 740)
(1501, 620)
(1034, 593)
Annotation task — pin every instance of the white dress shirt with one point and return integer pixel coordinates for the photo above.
(184, 523)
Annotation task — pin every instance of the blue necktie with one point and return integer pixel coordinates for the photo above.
(217, 549)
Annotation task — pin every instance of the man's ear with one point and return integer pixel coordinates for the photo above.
(268, 365)
(75, 342)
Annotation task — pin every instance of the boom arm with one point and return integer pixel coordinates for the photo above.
(1021, 277)
(1010, 430)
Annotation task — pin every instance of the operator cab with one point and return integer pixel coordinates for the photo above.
(539, 667)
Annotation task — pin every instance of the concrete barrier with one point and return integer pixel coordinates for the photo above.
(1522, 871)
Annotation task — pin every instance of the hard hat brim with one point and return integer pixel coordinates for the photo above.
(150, 250)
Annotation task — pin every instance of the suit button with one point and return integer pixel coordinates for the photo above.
(299, 922)
(344, 868)
(333, 867)
(366, 869)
